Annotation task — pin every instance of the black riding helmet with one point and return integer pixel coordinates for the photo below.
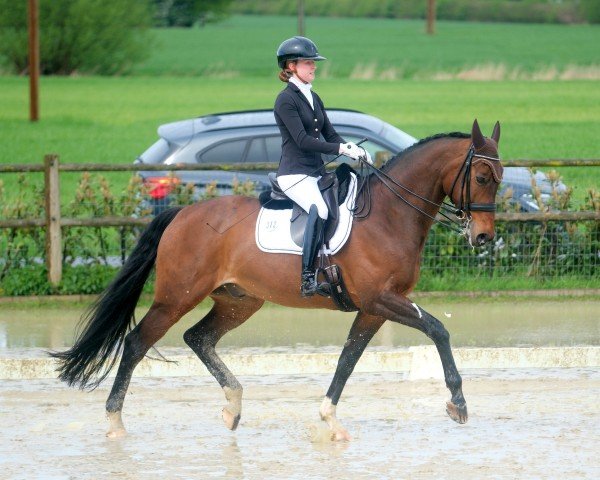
(296, 48)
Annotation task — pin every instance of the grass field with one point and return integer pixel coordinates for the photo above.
(112, 120)
(381, 48)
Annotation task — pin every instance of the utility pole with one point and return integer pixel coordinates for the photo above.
(34, 61)
(430, 17)
(301, 18)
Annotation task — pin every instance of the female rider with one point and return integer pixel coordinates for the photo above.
(302, 120)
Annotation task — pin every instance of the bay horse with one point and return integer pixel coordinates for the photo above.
(201, 250)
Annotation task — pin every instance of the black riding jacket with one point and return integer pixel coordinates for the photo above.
(301, 128)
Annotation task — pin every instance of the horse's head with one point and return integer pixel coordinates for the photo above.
(474, 186)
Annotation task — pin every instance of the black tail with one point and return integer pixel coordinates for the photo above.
(107, 321)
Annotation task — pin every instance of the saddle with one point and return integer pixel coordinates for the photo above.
(334, 188)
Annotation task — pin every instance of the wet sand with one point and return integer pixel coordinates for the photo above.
(523, 423)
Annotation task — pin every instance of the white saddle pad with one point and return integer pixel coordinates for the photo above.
(273, 227)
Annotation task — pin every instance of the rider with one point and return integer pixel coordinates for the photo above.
(302, 120)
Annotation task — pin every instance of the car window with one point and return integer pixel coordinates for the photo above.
(273, 145)
(226, 152)
(256, 152)
(378, 152)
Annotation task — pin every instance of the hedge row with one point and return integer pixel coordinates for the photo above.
(528, 11)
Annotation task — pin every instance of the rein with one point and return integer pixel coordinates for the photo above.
(462, 211)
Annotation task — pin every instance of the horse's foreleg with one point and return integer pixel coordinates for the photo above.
(137, 343)
(361, 332)
(399, 309)
(226, 314)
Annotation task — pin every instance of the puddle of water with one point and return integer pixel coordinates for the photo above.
(470, 323)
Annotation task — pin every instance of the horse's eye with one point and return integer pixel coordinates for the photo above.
(481, 180)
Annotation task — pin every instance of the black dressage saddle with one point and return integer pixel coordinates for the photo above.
(334, 188)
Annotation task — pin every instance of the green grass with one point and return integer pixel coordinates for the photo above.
(246, 45)
(469, 283)
(112, 120)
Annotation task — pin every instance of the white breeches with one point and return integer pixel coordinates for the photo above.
(304, 190)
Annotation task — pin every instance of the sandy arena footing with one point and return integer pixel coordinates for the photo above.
(524, 423)
(528, 418)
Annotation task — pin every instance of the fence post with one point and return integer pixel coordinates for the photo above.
(53, 232)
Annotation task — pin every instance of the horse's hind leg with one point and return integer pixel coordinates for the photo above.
(361, 332)
(137, 343)
(227, 313)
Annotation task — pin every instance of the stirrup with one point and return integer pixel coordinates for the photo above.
(310, 286)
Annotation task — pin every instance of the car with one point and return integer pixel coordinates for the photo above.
(520, 180)
(248, 137)
(252, 137)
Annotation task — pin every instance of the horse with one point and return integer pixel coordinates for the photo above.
(204, 250)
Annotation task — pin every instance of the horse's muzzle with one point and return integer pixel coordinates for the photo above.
(482, 239)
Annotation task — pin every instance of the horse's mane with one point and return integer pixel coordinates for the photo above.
(415, 146)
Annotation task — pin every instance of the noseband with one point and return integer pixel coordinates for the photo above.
(465, 206)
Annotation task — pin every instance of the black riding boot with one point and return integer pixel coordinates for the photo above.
(313, 239)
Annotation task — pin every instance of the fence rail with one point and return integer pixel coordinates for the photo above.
(54, 222)
(101, 167)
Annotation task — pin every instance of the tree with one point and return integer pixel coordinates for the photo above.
(186, 13)
(89, 36)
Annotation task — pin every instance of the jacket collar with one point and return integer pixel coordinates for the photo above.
(295, 88)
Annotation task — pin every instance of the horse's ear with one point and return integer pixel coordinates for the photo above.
(477, 136)
(496, 133)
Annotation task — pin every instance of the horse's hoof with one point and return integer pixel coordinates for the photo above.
(116, 428)
(340, 435)
(231, 420)
(458, 413)
(117, 433)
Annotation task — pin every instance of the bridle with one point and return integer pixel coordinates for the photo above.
(462, 211)
(465, 206)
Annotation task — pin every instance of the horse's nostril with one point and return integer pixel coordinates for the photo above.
(482, 239)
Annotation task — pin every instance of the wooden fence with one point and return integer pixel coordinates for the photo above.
(53, 222)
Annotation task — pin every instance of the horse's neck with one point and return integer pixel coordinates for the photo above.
(421, 172)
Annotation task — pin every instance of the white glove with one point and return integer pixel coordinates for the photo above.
(367, 156)
(351, 150)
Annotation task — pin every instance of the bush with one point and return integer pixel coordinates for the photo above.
(186, 13)
(591, 10)
(28, 280)
(33, 280)
(91, 36)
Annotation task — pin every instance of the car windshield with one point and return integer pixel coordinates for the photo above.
(397, 137)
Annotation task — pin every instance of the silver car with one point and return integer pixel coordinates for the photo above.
(252, 137)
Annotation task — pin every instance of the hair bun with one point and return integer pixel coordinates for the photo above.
(285, 75)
